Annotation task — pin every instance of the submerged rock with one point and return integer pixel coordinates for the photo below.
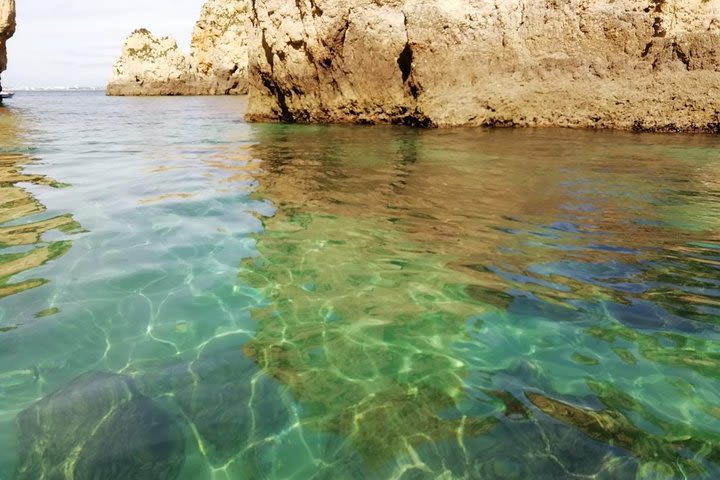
(576, 63)
(664, 456)
(230, 403)
(99, 427)
(217, 64)
(7, 29)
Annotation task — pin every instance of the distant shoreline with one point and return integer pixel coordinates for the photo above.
(55, 89)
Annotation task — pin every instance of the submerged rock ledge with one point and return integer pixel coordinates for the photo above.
(628, 64)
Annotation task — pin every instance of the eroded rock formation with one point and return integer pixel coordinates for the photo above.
(151, 65)
(7, 29)
(219, 46)
(216, 65)
(631, 64)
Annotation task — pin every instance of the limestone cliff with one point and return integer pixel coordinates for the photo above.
(151, 65)
(632, 64)
(7, 29)
(217, 64)
(219, 45)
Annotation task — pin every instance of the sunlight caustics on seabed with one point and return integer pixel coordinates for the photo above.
(184, 295)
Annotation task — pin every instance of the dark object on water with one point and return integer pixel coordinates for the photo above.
(99, 427)
(4, 95)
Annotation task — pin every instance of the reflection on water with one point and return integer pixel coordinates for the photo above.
(296, 302)
(22, 225)
(431, 287)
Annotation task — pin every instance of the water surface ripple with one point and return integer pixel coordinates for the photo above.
(210, 299)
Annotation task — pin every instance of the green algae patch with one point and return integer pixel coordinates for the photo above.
(367, 350)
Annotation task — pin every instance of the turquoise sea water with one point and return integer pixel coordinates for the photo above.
(184, 295)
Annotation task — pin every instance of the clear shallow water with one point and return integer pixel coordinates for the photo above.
(222, 300)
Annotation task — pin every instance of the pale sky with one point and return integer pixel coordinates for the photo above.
(75, 42)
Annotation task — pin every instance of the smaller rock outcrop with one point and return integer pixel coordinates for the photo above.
(7, 29)
(151, 65)
(216, 65)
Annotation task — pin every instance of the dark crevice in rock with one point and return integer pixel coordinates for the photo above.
(647, 49)
(418, 121)
(268, 52)
(713, 127)
(316, 11)
(405, 61)
(415, 91)
(285, 113)
(414, 119)
(657, 7)
(297, 44)
(344, 30)
(232, 87)
(495, 122)
(681, 55)
(658, 30)
(300, 8)
(311, 58)
(639, 126)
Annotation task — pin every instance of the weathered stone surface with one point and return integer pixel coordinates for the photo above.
(217, 64)
(7, 29)
(99, 426)
(631, 64)
(219, 46)
(151, 65)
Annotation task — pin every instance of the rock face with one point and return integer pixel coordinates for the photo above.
(217, 64)
(631, 64)
(219, 46)
(151, 65)
(7, 29)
